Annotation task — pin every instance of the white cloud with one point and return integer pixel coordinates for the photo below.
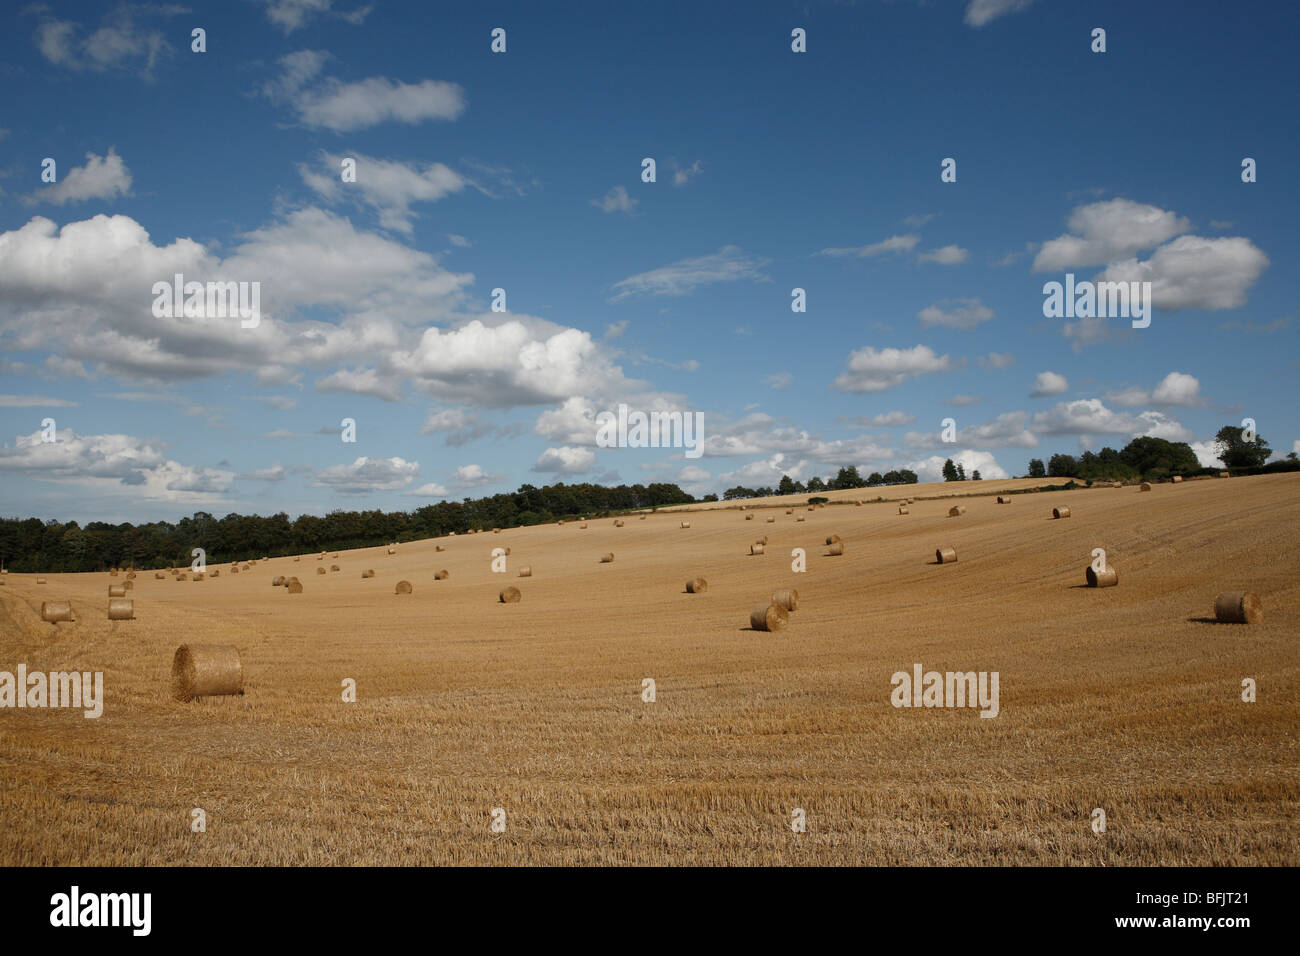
(34, 401)
(876, 371)
(1195, 273)
(1103, 232)
(997, 360)
(945, 256)
(118, 42)
(430, 490)
(361, 381)
(894, 244)
(387, 186)
(931, 469)
(1177, 389)
(276, 472)
(290, 15)
(1008, 430)
(368, 474)
(103, 177)
(616, 200)
(729, 264)
(566, 460)
(1089, 416)
(1049, 383)
(964, 314)
(470, 476)
(684, 174)
(1207, 453)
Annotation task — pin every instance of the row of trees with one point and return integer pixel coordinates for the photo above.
(35, 545)
(957, 472)
(847, 477)
(1147, 457)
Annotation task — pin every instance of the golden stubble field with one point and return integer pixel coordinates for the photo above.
(1127, 698)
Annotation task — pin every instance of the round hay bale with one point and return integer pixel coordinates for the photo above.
(911, 501)
(956, 510)
(835, 550)
(206, 670)
(749, 517)
(215, 573)
(510, 595)
(1177, 479)
(1223, 474)
(199, 575)
(756, 548)
(40, 580)
(768, 617)
(642, 518)
(762, 540)
(945, 555)
(392, 550)
(160, 576)
(297, 557)
(334, 567)
(1106, 579)
(336, 557)
(618, 524)
(771, 519)
(811, 508)
(1117, 484)
(438, 547)
(116, 590)
(182, 576)
(787, 598)
(832, 539)
(294, 586)
(403, 587)
(1238, 607)
(130, 575)
(1003, 501)
(277, 581)
(789, 511)
(507, 552)
(496, 530)
(56, 611)
(128, 585)
(801, 518)
(1145, 486)
(696, 586)
(234, 569)
(526, 571)
(1060, 512)
(582, 527)
(245, 566)
(686, 524)
(368, 573)
(121, 609)
(442, 575)
(607, 558)
(320, 570)
(112, 573)
(902, 510)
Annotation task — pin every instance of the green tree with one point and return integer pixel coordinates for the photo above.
(785, 486)
(1234, 452)
(816, 484)
(1157, 458)
(975, 475)
(1036, 469)
(1062, 466)
(950, 471)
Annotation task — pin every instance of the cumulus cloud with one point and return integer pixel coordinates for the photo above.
(882, 420)
(1177, 389)
(779, 381)
(1195, 273)
(276, 472)
(728, 264)
(684, 174)
(1049, 383)
(1089, 416)
(1104, 232)
(119, 42)
(872, 370)
(964, 314)
(616, 200)
(34, 401)
(361, 381)
(1008, 430)
(945, 256)
(430, 490)
(471, 476)
(389, 187)
(931, 469)
(367, 475)
(103, 177)
(566, 460)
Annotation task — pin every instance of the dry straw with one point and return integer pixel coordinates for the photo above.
(607, 558)
(438, 547)
(368, 573)
(902, 510)
(294, 586)
(510, 595)
(1177, 479)
(832, 539)
(1003, 501)
(160, 576)
(1145, 486)
(771, 520)
(768, 617)
(334, 567)
(836, 549)
(618, 524)
(800, 518)
(116, 590)
(442, 575)
(787, 598)
(129, 585)
(1223, 474)
(945, 555)
(1060, 512)
(121, 609)
(696, 586)
(320, 570)
(206, 670)
(1106, 579)
(1238, 607)
(956, 510)
(756, 548)
(526, 571)
(56, 611)
(403, 587)
(277, 581)
(686, 524)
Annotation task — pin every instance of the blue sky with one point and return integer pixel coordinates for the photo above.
(522, 171)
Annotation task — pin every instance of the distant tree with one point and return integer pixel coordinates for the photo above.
(1156, 457)
(950, 471)
(848, 478)
(816, 484)
(961, 472)
(1062, 466)
(785, 486)
(1236, 453)
(1036, 469)
(1291, 456)
(875, 478)
(710, 497)
(975, 475)
(906, 477)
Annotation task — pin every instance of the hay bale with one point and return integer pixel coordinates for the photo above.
(1177, 479)
(496, 530)
(902, 510)
(206, 670)
(507, 552)
(756, 548)
(832, 539)
(403, 587)
(811, 508)
(1060, 512)
(642, 518)
(607, 558)
(294, 586)
(696, 586)
(911, 501)
(1145, 486)
(442, 575)
(771, 519)
(368, 573)
(234, 569)
(582, 527)
(768, 617)
(762, 540)
(956, 510)
(618, 524)
(320, 569)
(392, 550)
(182, 576)
(334, 567)
(112, 572)
(121, 609)
(438, 547)
(215, 573)
(945, 555)
(297, 557)
(199, 575)
(1003, 501)
(116, 590)
(835, 550)
(128, 585)
(246, 566)
(1223, 474)
(1117, 484)
(56, 611)
(789, 511)
(130, 575)
(277, 581)
(40, 580)
(1106, 579)
(1238, 607)
(510, 595)
(800, 518)
(160, 576)
(686, 524)
(526, 571)
(749, 517)
(787, 598)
